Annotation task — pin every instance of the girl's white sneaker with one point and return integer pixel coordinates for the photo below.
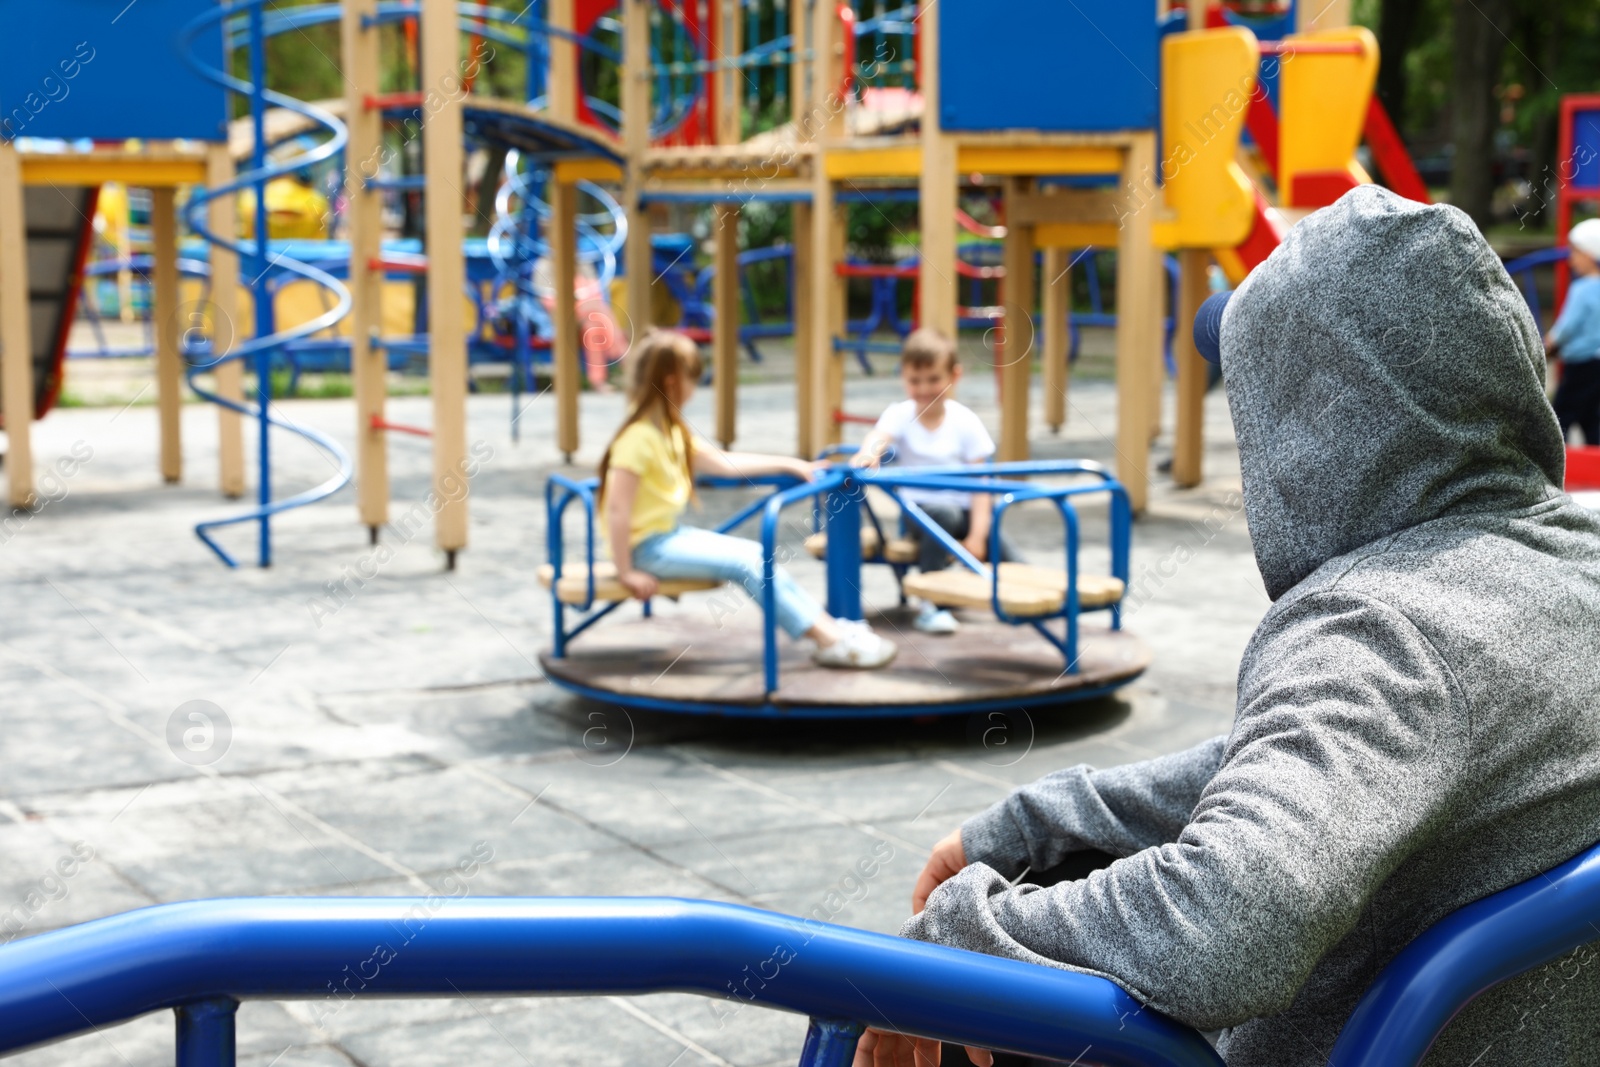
(858, 648)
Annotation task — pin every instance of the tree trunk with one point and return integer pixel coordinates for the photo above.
(1480, 40)
(1397, 32)
(488, 186)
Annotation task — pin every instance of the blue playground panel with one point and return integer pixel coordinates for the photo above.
(108, 69)
(1085, 66)
(1585, 149)
(202, 957)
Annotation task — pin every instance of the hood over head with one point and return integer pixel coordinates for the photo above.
(1382, 370)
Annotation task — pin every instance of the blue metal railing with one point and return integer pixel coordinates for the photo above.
(202, 957)
(1523, 271)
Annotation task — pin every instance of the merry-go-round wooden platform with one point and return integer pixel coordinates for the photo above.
(687, 663)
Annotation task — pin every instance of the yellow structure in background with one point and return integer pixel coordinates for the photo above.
(1322, 106)
(1208, 78)
(294, 210)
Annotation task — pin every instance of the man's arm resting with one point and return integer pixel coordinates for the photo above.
(1349, 740)
(1119, 810)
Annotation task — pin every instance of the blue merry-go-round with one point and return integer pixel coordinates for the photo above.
(1023, 644)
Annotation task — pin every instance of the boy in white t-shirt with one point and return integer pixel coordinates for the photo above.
(931, 429)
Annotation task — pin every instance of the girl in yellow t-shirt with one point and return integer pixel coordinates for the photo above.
(647, 479)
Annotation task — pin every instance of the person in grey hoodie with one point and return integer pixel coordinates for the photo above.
(1418, 718)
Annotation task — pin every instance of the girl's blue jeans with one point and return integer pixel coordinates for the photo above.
(690, 552)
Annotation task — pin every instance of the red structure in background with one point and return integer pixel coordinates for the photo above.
(697, 19)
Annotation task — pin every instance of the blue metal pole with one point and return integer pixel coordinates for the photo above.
(844, 550)
(537, 51)
(830, 1043)
(206, 1033)
(260, 294)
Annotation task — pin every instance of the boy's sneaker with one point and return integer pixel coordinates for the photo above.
(932, 619)
(858, 648)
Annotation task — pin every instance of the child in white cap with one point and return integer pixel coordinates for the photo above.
(1576, 337)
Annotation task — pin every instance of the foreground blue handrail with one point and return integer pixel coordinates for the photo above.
(201, 956)
(1466, 953)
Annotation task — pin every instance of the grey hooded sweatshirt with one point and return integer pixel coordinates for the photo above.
(1418, 720)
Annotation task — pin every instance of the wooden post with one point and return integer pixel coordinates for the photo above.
(725, 323)
(825, 367)
(164, 313)
(804, 347)
(1321, 15)
(1055, 307)
(1016, 368)
(369, 364)
(561, 87)
(1197, 13)
(728, 82)
(825, 382)
(1188, 447)
(635, 142)
(1138, 324)
(567, 355)
(447, 339)
(16, 346)
(222, 216)
(937, 281)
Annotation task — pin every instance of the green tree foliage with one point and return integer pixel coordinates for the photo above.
(1481, 81)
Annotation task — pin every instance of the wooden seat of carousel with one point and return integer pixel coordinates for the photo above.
(573, 587)
(1025, 590)
(898, 550)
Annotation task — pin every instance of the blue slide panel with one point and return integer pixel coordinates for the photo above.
(107, 69)
(1090, 65)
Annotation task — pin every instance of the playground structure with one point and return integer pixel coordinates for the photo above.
(202, 958)
(842, 108)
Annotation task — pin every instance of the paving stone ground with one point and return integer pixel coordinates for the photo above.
(374, 746)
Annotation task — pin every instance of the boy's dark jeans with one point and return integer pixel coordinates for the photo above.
(956, 521)
(1577, 399)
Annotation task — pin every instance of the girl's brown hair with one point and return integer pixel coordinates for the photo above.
(661, 354)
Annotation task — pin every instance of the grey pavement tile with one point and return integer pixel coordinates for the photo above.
(300, 1055)
(47, 882)
(812, 859)
(623, 872)
(178, 841)
(900, 790)
(535, 1031)
(655, 802)
(881, 903)
(76, 748)
(738, 1031)
(448, 812)
(142, 1042)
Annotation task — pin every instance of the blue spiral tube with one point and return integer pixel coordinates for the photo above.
(267, 340)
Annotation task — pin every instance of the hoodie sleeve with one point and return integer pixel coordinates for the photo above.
(1347, 745)
(1120, 810)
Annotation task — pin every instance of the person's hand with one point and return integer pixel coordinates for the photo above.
(810, 469)
(946, 862)
(880, 1049)
(643, 586)
(868, 458)
(978, 546)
